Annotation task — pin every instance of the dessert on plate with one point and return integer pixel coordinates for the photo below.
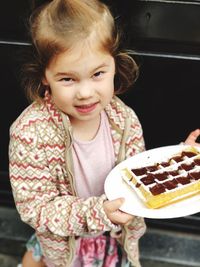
(162, 183)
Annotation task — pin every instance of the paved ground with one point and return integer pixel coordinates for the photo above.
(149, 263)
(10, 261)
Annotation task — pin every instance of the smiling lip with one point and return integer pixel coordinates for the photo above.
(86, 108)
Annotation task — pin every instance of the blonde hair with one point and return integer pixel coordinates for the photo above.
(59, 24)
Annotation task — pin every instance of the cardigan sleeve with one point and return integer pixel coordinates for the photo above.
(37, 196)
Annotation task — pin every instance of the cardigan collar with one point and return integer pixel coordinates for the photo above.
(114, 110)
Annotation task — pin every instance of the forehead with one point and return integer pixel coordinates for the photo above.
(80, 55)
(81, 47)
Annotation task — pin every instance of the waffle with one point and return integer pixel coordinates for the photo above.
(170, 180)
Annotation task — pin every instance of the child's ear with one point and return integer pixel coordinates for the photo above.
(44, 81)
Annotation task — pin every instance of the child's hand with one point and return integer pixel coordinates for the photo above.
(192, 137)
(116, 216)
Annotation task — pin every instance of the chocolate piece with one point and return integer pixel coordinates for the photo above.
(197, 162)
(188, 154)
(139, 171)
(152, 168)
(187, 167)
(157, 189)
(177, 158)
(165, 164)
(183, 180)
(170, 184)
(149, 179)
(161, 176)
(173, 172)
(194, 175)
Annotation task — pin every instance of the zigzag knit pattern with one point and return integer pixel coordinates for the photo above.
(42, 181)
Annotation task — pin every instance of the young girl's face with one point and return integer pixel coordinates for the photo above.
(81, 82)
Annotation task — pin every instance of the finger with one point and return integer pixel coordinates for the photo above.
(114, 205)
(193, 136)
(122, 218)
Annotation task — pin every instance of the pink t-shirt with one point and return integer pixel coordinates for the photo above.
(93, 160)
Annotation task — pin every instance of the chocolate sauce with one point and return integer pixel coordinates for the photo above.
(130, 179)
(138, 185)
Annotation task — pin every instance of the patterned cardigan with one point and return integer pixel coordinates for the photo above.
(41, 174)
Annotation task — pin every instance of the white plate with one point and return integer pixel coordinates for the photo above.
(115, 187)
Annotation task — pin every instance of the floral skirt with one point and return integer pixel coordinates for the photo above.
(100, 251)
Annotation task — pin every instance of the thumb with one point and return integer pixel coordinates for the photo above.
(114, 205)
(193, 136)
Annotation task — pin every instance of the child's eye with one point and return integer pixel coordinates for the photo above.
(66, 79)
(98, 74)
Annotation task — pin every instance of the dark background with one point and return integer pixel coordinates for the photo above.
(165, 39)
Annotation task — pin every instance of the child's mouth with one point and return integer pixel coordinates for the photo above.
(86, 108)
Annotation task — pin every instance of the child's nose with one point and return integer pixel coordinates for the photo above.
(85, 90)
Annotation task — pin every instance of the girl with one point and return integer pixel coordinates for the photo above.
(33, 255)
(76, 130)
